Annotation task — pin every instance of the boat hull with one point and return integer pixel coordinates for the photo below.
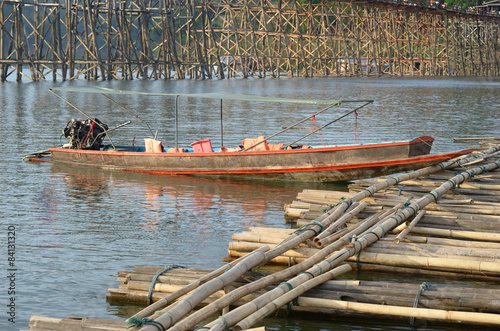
(318, 164)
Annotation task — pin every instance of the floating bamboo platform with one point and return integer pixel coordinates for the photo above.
(440, 224)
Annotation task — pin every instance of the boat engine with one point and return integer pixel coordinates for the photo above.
(85, 134)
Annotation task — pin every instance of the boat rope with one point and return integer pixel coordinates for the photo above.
(294, 302)
(224, 320)
(370, 190)
(331, 206)
(374, 233)
(424, 286)
(400, 189)
(313, 120)
(290, 287)
(412, 207)
(305, 227)
(91, 131)
(407, 203)
(359, 253)
(399, 216)
(306, 272)
(356, 133)
(436, 196)
(153, 282)
(138, 322)
(383, 230)
(170, 315)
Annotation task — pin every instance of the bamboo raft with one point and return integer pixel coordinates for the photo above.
(441, 222)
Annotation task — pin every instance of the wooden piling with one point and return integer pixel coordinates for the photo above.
(144, 40)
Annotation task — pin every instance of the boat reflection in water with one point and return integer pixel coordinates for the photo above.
(204, 205)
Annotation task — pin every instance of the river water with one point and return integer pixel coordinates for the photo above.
(76, 228)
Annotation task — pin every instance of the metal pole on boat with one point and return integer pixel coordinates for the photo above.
(221, 126)
(288, 128)
(176, 125)
(112, 129)
(330, 123)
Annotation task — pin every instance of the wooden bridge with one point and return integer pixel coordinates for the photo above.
(165, 39)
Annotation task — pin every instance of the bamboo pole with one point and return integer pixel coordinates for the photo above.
(341, 221)
(419, 272)
(410, 226)
(435, 314)
(355, 229)
(457, 234)
(479, 267)
(449, 242)
(74, 323)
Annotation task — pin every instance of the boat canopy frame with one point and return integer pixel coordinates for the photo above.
(329, 103)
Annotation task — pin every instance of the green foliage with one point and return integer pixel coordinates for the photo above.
(311, 1)
(464, 4)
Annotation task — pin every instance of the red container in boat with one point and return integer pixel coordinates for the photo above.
(202, 146)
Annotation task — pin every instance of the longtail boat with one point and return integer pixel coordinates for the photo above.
(255, 158)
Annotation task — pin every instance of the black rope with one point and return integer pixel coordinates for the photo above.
(422, 288)
(138, 322)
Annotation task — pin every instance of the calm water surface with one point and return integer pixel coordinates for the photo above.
(76, 228)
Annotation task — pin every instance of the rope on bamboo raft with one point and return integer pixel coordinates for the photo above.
(424, 286)
(153, 282)
(138, 322)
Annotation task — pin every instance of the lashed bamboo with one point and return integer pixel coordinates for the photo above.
(237, 249)
(463, 299)
(202, 314)
(379, 292)
(265, 311)
(273, 294)
(342, 220)
(300, 238)
(354, 230)
(289, 296)
(206, 282)
(392, 221)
